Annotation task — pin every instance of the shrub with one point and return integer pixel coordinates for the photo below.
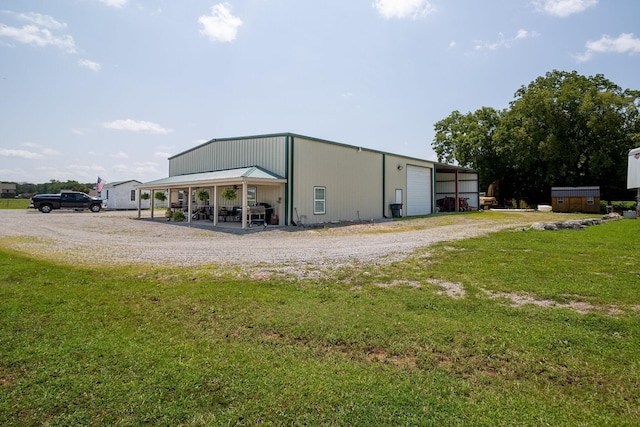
(178, 216)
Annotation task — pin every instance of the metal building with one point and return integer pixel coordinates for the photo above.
(302, 179)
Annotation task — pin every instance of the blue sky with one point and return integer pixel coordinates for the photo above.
(111, 88)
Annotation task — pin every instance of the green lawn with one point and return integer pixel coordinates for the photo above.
(374, 345)
(14, 203)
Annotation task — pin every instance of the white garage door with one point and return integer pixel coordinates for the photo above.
(418, 190)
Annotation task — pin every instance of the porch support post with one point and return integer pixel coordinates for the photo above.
(189, 208)
(153, 202)
(245, 205)
(139, 202)
(214, 204)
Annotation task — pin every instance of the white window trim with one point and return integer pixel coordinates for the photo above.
(323, 200)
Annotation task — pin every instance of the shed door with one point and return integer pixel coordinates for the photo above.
(418, 190)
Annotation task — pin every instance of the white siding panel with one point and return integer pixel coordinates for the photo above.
(418, 190)
(633, 169)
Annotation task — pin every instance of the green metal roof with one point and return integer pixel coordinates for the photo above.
(229, 175)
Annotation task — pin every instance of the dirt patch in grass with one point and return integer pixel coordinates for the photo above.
(394, 283)
(450, 289)
(520, 300)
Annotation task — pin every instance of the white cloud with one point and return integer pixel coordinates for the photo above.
(503, 42)
(401, 9)
(42, 20)
(23, 154)
(137, 168)
(39, 36)
(120, 155)
(625, 43)
(136, 126)
(115, 3)
(162, 154)
(564, 8)
(90, 65)
(79, 131)
(50, 152)
(221, 25)
(452, 44)
(31, 145)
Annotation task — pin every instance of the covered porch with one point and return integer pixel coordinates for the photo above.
(242, 195)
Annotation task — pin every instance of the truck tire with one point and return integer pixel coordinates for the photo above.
(46, 208)
(95, 207)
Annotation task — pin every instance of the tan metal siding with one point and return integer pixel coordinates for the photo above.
(266, 152)
(396, 178)
(352, 177)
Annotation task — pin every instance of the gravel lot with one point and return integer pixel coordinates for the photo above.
(120, 237)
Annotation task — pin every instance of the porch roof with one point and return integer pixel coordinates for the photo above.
(247, 175)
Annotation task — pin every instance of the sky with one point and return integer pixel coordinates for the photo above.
(112, 88)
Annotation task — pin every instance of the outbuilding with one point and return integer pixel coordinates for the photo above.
(123, 195)
(575, 199)
(302, 180)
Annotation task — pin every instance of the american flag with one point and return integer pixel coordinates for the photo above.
(100, 184)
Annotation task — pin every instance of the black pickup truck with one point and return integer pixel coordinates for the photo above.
(67, 200)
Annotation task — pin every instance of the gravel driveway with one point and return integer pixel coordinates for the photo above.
(120, 237)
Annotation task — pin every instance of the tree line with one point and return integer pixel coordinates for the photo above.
(563, 129)
(52, 187)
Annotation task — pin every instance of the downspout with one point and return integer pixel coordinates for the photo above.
(384, 182)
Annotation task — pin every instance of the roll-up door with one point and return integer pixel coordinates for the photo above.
(419, 189)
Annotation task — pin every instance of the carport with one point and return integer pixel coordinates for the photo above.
(454, 183)
(214, 182)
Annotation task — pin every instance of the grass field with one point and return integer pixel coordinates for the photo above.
(374, 345)
(14, 203)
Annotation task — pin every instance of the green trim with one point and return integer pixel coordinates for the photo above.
(290, 180)
(384, 184)
(288, 176)
(433, 190)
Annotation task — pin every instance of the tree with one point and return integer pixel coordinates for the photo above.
(563, 129)
(469, 140)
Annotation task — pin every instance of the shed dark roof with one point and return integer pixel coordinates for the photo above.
(575, 191)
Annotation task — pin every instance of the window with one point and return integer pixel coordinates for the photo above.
(133, 195)
(319, 200)
(560, 200)
(590, 200)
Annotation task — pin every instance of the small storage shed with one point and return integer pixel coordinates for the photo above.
(123, 195)
(575, 199)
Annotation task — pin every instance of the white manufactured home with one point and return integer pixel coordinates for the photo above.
(633, 169)
(633, 174)
(123, 195)
(307, 180)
